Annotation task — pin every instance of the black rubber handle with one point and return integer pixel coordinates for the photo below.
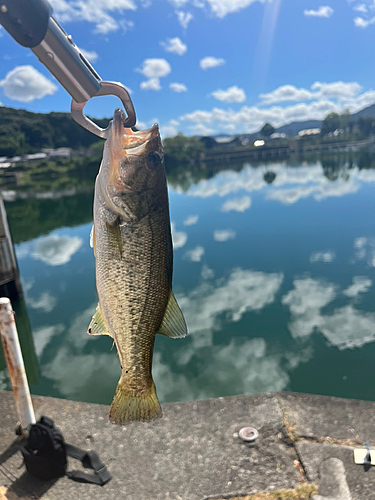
(25, 20)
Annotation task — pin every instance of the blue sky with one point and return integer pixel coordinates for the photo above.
(209, 66)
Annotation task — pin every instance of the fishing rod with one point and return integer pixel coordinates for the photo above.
(31, 24)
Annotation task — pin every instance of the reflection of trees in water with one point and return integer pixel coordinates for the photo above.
(41, 213)
(32, 217)
(335, 167)
(366, 159)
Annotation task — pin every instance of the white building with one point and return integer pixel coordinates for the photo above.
(309, 131)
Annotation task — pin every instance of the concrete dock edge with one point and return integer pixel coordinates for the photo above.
(194, 452)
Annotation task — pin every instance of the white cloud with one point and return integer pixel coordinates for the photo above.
(336, 90)
(200, 129)
(359, 22)
(154, 68)
(324, 98)
(224, 234)
(151, 84)
(178, 3)
(91, 55)
(56, 250)
(232, 94)
(286, 93)
(361, 284)
(191, 220)
(179, 238)
(94, 11)
(126, 25)
(184, 18)
(222, 8)
(178, 87)
(326, 256)
(25, 84)
(211, 62)
(361, 8)
(237, 204)
(195, 255)
(46, 302)
(323, 11)
(251, 119)
(174, 45)
(169, 129)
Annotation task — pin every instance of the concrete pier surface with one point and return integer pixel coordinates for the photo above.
(194, 451)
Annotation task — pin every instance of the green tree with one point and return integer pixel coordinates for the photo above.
(366, 125)
(181, 151)
(330, 123)
(267, 130)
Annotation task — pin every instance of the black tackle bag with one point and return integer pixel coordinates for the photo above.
(45, 454)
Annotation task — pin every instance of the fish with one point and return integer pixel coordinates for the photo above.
(132, 243)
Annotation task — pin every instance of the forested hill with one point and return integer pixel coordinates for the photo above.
(24, 132)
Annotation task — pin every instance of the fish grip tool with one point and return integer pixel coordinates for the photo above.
(31, 24)
(45, 454)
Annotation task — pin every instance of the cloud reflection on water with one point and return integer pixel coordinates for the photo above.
(56, 250)
(291, 184)
(239, 367)
(179, 238)
(224, 234)
(345, 327)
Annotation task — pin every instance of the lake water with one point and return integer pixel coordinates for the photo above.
(276, 281)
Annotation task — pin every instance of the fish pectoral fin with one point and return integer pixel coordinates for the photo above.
(173, 324)
(97, 325)
(92, 238)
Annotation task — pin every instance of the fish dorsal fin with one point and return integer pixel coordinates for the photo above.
(173, 324)
(97, 325)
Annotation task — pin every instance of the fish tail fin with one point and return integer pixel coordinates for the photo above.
(128, 406)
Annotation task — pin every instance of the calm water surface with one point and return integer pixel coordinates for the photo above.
(276, 281)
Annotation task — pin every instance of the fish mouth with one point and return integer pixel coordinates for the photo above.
(133, 143)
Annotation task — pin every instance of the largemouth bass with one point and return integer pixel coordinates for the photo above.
(133, 255)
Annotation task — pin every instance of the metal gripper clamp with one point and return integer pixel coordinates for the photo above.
(31, 24)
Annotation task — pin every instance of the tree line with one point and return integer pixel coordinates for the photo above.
(24, 132)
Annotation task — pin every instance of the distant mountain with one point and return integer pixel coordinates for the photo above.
(370, 111)
(293, 128)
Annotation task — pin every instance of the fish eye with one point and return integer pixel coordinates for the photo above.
(154, 159)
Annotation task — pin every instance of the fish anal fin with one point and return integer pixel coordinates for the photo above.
(173, 324)
(97, 324)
